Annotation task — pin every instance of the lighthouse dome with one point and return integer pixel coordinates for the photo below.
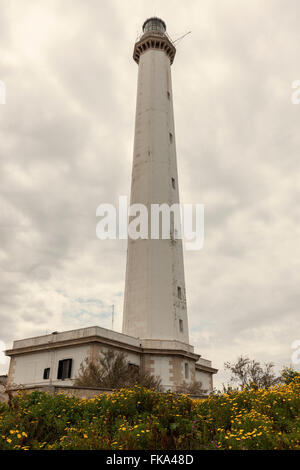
(154, 24)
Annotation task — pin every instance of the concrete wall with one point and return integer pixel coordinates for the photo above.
(3, 395)
(206, 380)
(74, 335)
(176, 370)
(167, 359)
(28, 369)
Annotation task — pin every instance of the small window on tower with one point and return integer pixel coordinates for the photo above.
(179, 292)
(186, 370)
(181, 326)
(171, 137)
(169, 95)
(46, 375)
(173, 183)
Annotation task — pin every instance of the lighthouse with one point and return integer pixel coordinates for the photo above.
(155, 296)
(155, 307)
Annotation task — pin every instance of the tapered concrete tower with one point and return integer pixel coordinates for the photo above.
(155, 308)
(155, 296)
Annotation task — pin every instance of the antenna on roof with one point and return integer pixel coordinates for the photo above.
(112, 317)
(181, 37)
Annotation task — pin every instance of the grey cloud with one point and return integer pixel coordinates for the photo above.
(66, 136)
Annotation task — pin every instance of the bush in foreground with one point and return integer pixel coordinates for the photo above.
(110, 369)
(144, 419)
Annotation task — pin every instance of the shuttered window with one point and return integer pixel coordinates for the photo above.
(186, 370)
(64, 369)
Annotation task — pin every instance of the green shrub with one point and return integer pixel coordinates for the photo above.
(140, 418)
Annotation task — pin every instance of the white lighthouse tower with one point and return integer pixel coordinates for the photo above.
(155, 309)
(155, 300)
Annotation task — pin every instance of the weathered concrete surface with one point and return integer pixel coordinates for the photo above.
(30, 357)
(155, 299)
(3, 395)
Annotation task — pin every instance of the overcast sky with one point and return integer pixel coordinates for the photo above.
(66, 141)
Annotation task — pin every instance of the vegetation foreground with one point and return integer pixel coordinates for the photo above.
(144, 419)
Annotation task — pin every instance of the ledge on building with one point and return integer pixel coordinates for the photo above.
(205, 366)
(103, 336)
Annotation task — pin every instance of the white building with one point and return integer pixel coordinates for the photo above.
(155, 323)
(55, 359)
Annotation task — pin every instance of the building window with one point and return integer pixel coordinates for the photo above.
(64, 369)
(171, 137)
(46, 375)
(168, 95)
(181, 326)
(179, 292)
(186, 370)
(173, 183)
